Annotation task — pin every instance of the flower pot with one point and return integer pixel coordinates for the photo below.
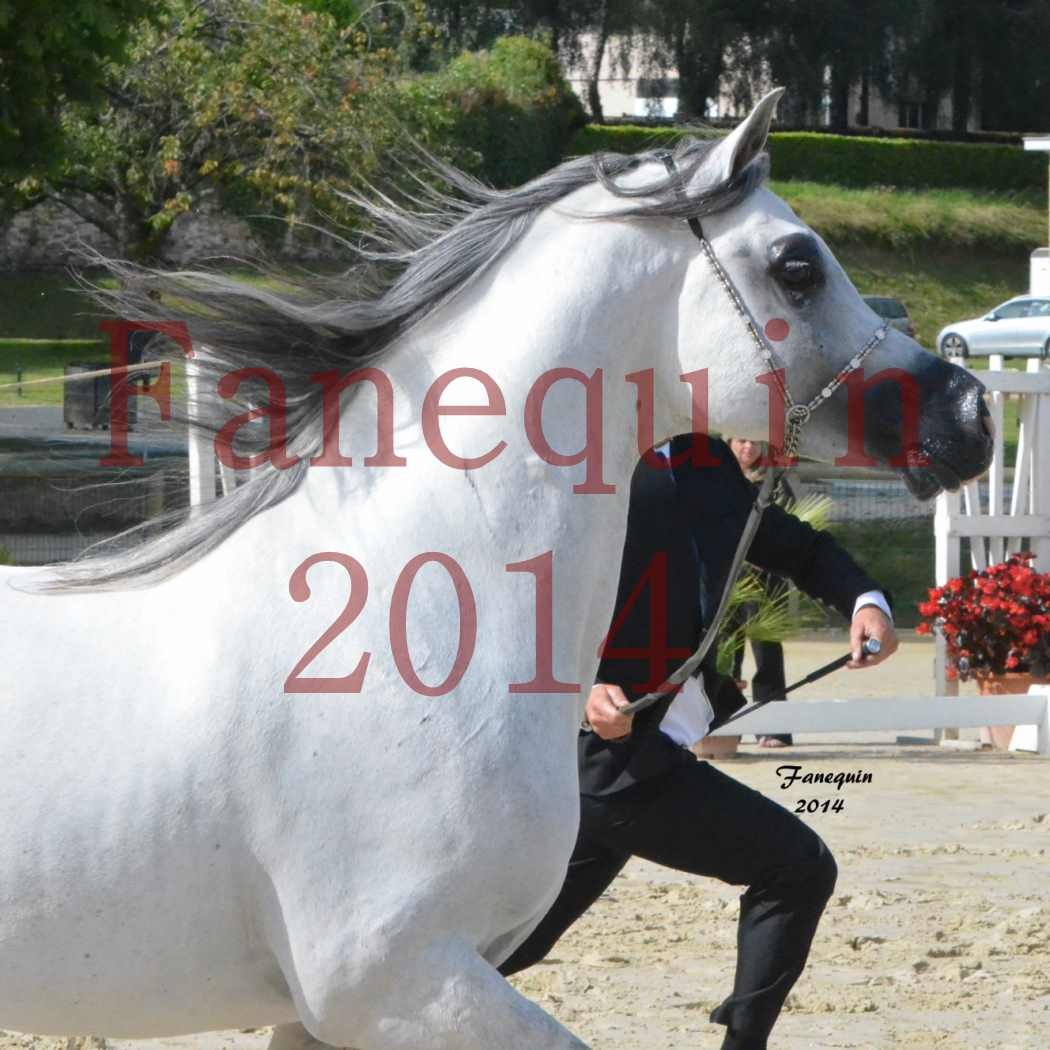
(1007, 684)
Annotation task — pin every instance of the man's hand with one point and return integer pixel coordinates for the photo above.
(603, 712)
(870, 621)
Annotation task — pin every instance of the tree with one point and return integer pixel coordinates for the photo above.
(206, 103)
(1013, 82)
(52, 52)
(983, 55)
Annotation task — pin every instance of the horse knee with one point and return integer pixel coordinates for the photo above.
(534, 949)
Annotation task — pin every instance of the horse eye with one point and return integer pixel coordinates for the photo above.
(795, 264)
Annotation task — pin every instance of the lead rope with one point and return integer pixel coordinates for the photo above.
(796, 416)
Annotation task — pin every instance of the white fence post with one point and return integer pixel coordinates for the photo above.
(998, 532)
(200, 451)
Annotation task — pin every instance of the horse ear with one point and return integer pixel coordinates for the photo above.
(746, 141)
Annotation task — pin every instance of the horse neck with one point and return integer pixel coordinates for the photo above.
(569, 296)
(516, 323)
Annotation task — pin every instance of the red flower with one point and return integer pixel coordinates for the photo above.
(997, 618)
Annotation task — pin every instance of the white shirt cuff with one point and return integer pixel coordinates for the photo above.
(689, 715)
(876, 598)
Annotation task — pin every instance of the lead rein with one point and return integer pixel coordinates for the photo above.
(762, 500)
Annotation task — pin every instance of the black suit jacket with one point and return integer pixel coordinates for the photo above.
(683, 525)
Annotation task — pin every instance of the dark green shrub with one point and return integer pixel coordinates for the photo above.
(505, 114)
(622, 138)
(904, 163)
(857, 161)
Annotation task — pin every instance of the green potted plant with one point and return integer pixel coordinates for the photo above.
(756, 612)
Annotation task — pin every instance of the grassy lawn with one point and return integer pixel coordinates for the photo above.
(45, 306)
(960, 222)
(937, 287)
(43, 359)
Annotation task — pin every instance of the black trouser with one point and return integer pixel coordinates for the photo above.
(695, 818)
(769, 680)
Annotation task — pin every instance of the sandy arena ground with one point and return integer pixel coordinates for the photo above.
(938, 935)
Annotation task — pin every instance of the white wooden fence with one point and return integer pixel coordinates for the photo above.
(994, 530)
(1029, 712)
(205, 467)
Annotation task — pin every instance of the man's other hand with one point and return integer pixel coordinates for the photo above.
(603, 712)
(870, 621)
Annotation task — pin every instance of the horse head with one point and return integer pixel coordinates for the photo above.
(762, 304)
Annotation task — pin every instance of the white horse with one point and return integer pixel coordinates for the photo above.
(187, 846)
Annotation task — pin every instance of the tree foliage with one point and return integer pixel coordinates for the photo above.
(273, 109)
(505, 114)
(984, 55)
(206, 102)
(52, 51)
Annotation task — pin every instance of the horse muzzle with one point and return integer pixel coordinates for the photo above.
(951, 440)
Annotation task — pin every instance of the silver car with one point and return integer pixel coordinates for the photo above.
(1019, 327)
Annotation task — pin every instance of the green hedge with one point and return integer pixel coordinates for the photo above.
(622, 138)
(852, 161)
(505, 114)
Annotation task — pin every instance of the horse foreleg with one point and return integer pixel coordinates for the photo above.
(445, 997)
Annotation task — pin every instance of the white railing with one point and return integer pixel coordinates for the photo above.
(995, 531)
(1029, 712)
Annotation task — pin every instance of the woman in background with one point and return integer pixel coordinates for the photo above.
(769, 680)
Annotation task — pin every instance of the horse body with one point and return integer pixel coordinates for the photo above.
(210, 830)
(185, 846)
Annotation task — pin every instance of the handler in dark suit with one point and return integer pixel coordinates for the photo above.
(643, 793)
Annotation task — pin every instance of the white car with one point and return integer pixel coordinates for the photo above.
(1019, 327)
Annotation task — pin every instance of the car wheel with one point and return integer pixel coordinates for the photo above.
(953, 345)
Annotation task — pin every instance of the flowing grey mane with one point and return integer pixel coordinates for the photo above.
(415, 257)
